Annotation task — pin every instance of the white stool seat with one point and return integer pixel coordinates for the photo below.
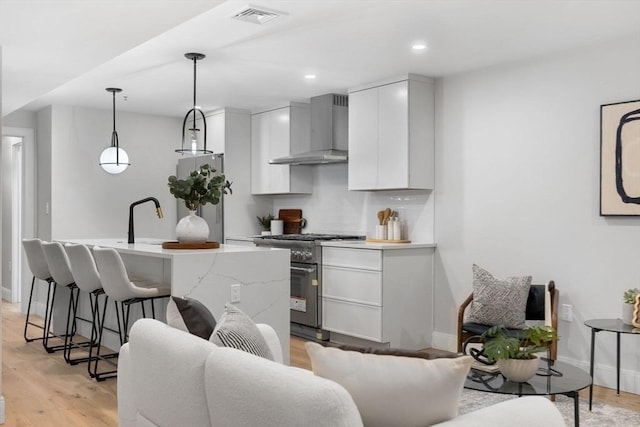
(119, 287)
(40, 270)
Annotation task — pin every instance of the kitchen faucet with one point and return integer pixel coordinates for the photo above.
(134, 204)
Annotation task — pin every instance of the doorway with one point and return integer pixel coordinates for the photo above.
(18, 207)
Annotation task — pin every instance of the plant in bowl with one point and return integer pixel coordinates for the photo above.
(629, 299)
(516, 356)
(201, 187)
(265, 221)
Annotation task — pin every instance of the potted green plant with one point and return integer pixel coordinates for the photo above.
(265, 223)
(201, 187)
(629, 299)
(516, 357)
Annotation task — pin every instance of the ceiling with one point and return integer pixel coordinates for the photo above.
(68, 51)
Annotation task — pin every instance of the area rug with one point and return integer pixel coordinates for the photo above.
(601, 415)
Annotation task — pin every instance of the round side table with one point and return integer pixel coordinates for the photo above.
(607, 325)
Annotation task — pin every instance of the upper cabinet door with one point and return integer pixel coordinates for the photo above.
(260, 135)
(391, 140)
(393, 136)
(273, 134)
(363, 140)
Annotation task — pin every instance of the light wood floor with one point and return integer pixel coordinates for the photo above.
(40, 389)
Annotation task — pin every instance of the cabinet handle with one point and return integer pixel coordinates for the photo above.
(306, 270)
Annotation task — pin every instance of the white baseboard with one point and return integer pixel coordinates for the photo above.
(443, 341)
(2, 418)
(604, 375)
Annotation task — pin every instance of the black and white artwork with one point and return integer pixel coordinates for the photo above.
(620, 158)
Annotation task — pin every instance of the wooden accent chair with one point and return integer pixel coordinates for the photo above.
(536, 310)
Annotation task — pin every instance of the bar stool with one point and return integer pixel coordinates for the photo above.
(40, 270)
(86, 278)
(118, 287)
(60, 269)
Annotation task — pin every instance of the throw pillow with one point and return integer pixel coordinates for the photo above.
(498, 301)
(393, 390)
(237, 330)
(190, 315)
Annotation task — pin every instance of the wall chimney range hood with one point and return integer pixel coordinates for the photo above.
(329, 133)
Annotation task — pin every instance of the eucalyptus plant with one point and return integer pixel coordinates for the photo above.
(629, 296)
(498, 345)
(202, 186)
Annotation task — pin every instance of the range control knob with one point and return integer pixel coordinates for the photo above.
(295, 254)
(306, 256)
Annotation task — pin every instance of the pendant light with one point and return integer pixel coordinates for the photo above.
(190, 143)
(114, 160)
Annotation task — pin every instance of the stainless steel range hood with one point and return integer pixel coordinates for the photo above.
(329, 133)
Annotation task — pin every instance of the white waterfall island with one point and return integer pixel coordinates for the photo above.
(208, 274)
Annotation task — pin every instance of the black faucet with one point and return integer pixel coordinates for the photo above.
(134, 204)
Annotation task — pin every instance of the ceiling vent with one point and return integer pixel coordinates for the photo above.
(256, 15)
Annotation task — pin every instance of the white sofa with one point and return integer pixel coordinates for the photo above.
(167, 377)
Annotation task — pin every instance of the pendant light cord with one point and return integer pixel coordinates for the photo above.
(194, 92)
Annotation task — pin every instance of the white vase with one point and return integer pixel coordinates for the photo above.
(627, 313)
(192, 229)
(518, 370)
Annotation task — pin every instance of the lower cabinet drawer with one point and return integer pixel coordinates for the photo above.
(363, 286)
(352, 319)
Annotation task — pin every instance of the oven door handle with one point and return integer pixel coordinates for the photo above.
(306, 270)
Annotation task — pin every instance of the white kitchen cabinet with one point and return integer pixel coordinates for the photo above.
(277, 133)
(391, 135)
(382, 295)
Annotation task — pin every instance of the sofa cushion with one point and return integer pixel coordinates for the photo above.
(237, 330)
(245, 390)
(393, 390)
(498, 301)
(167, 370)
(190, 315)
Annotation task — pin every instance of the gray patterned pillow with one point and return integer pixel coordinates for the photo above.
(237, 330)
(498, 301)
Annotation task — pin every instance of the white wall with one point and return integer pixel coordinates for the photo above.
(85, 201)
(21, 119)
(2, 411)
(517, 192)
(331, 208)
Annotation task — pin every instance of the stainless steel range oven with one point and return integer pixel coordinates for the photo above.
(306, 279)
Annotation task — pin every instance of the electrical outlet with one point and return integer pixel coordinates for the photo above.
(235, 292)
(567, 313)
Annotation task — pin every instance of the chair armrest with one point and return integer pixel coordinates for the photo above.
(461, 310)
(272, 340)
(127, 410)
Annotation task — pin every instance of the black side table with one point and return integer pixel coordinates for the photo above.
(607, 325)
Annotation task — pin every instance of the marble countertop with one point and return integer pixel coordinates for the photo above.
(362, 244)
(153, 247)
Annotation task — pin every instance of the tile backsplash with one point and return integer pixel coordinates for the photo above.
(333, 209)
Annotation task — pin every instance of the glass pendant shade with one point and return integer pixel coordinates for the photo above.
(190, 142)
(113, 159)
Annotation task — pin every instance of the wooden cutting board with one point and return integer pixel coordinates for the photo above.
(292, 220)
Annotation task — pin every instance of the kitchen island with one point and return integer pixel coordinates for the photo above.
(208, 275)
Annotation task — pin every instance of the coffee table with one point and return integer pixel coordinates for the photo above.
(568, 383)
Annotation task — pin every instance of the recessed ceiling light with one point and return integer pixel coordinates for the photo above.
(419, 46)
(309, 76)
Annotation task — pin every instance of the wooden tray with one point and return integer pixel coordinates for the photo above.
(387, 241)
(178, 245)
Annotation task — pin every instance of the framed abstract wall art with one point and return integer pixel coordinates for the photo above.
(620, 159)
